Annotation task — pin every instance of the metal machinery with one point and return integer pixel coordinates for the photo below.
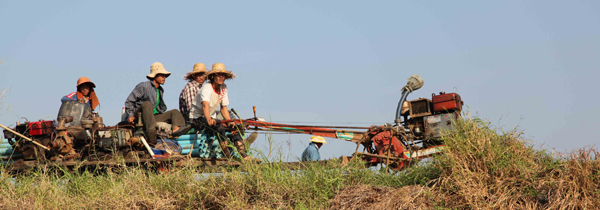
(78, 134)
(418, 134)
(419, 126)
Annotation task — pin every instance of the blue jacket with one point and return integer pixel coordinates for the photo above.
(145, 91)
(73, 97)
(311, 153)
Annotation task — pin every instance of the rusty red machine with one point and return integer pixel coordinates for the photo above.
(79, 135)
(416, 133)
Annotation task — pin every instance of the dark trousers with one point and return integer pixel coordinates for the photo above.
(149, 119)
(218, 128)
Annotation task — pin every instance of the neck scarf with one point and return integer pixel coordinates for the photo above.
(93, 98)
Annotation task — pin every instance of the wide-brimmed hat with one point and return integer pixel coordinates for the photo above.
(82, 80)
(318, 139)
(199, 68)
(220, 68)
(157, 68)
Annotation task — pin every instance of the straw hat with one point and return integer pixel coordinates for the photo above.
(318, 139)
(82, 80)
(220, 68)
(199, 68)
(157, 68)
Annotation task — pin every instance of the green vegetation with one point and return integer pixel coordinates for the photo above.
(482, 169)
(260, 186)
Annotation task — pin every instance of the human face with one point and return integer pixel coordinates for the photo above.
(199, 78)
(85, 88)
(160, 79)
(219, 78)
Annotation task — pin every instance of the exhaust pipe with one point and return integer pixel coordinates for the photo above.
(414, 83)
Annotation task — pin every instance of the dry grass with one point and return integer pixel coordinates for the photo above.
(482, 169)
(3, 92)
(486, 170)
(371, 197)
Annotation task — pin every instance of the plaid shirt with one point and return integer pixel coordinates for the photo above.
(145, 91)
(187, 96)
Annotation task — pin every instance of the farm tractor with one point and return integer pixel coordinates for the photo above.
(79, 135)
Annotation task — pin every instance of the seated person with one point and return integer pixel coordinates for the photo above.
(195, 79)
(147, 98)
(85, 93)
(211, 96)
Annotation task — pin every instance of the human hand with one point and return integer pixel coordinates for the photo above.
(231, 124)
(131, 119)
(211, 122)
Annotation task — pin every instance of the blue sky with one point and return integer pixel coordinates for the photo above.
(530, 65)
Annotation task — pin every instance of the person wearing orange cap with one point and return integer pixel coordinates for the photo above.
(311, 153)
(85, 93)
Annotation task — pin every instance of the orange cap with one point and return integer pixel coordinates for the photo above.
(82, 80)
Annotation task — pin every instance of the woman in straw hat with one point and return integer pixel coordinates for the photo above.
(211, 96)
(195, 79)
(85, 93)
(147, 98)
(311, 153)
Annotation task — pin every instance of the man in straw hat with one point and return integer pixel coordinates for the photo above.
(195, 79)
(211, 96)
(147, 98)
(311, 153)
(85, 93)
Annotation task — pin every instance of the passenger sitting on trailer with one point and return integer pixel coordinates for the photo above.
(187, 96)
(311, 153)
(85, 93)
(211, 96)
(147, 98)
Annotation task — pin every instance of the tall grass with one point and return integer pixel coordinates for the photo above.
(489, 169)
(3, 92)
(261, 186)
(482, 168)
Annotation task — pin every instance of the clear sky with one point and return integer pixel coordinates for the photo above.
(530, 65)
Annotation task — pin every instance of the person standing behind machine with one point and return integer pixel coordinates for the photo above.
(311, 153)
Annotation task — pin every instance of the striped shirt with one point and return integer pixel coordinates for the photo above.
(145, 91)
(187, 96)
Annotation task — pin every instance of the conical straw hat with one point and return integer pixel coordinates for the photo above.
(199, 68)
(157, 68)
(220, 68)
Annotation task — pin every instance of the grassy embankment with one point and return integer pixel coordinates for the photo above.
(482, 169)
